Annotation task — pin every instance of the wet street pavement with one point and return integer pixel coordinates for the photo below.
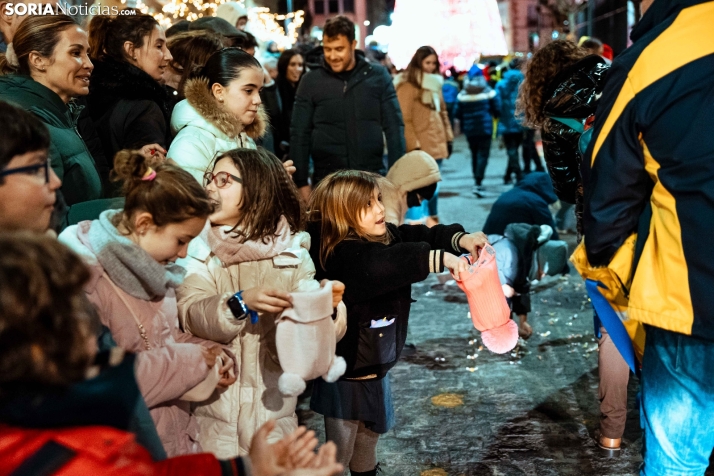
(462, 410)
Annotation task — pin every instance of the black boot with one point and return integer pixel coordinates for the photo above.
(367, 473)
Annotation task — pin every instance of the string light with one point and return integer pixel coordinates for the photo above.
(266, 26)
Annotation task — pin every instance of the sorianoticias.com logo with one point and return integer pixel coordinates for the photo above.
(63, 8)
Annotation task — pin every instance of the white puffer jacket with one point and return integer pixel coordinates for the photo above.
(228, 424)
(203, 130)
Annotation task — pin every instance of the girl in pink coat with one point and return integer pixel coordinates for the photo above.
(132, 254)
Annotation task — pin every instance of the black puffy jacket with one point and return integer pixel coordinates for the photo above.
(572, 94)
(340, 123)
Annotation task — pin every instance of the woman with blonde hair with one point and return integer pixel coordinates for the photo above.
(426, 119)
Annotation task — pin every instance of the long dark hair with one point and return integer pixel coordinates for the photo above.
(36, 33)
(542, 68)
(226, 65)
(284, 61)
(414, 72)
(268, 194)
(107, 34)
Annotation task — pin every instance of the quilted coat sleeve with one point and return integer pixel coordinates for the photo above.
(193, 151)
(562, 157)
(160, 372)
(204, 312)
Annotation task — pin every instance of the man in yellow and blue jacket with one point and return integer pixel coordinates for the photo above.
(653, 144)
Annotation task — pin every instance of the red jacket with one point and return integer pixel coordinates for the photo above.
(99, 450)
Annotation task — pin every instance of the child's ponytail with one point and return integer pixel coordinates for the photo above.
(168, 193)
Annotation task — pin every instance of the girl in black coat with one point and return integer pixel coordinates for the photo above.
(378, 262)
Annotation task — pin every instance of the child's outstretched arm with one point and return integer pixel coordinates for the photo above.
(372, 269)
(451, 238)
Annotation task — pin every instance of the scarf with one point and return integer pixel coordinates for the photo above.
(230, 248)
(128, 266)
(431, 85)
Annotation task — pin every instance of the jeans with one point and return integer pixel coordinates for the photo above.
(677, 411)
(530, 153)
(480, 149)
(513, 142)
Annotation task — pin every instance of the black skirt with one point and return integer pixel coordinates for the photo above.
(368, 401)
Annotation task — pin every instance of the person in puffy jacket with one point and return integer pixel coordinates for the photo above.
(67, 407)
(131, 254)
(344, 109)
(509, 127)
(426, 120)
(562, 81)
(412, 179)
(378, 262)
(30, 86)
(565, 81)
(253, 250)
(477, 104)
(222, 111)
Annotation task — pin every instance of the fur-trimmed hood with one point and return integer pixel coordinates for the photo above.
(202, 110)
(114, 80)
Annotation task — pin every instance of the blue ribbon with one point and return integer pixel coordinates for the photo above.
(611, 322)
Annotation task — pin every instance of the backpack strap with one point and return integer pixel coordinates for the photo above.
(574, 124)
(45, 461)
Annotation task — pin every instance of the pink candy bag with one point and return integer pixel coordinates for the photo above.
(489, 310)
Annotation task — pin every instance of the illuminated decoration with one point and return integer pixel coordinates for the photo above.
(264, 25)
(461, 31)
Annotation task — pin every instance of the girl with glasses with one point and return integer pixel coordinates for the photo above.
(241, 270)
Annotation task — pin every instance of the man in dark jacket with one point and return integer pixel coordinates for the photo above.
(651, 145)
(527, 202)
(341, 110)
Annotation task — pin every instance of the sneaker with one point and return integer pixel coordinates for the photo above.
(478, 191)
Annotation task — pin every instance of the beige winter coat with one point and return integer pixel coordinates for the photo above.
(228, 424)
(414, 170)
(426, 121)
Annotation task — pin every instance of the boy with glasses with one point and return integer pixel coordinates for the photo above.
(28, 184)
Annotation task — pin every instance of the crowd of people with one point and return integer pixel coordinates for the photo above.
(164, 193)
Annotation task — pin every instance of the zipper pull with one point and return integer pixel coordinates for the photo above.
(344, 90)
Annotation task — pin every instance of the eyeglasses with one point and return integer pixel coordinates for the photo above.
(221, 179)
(40, 171)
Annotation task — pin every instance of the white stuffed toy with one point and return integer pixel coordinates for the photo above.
(306, 342)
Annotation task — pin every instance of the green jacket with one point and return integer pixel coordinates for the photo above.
(69, 156)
